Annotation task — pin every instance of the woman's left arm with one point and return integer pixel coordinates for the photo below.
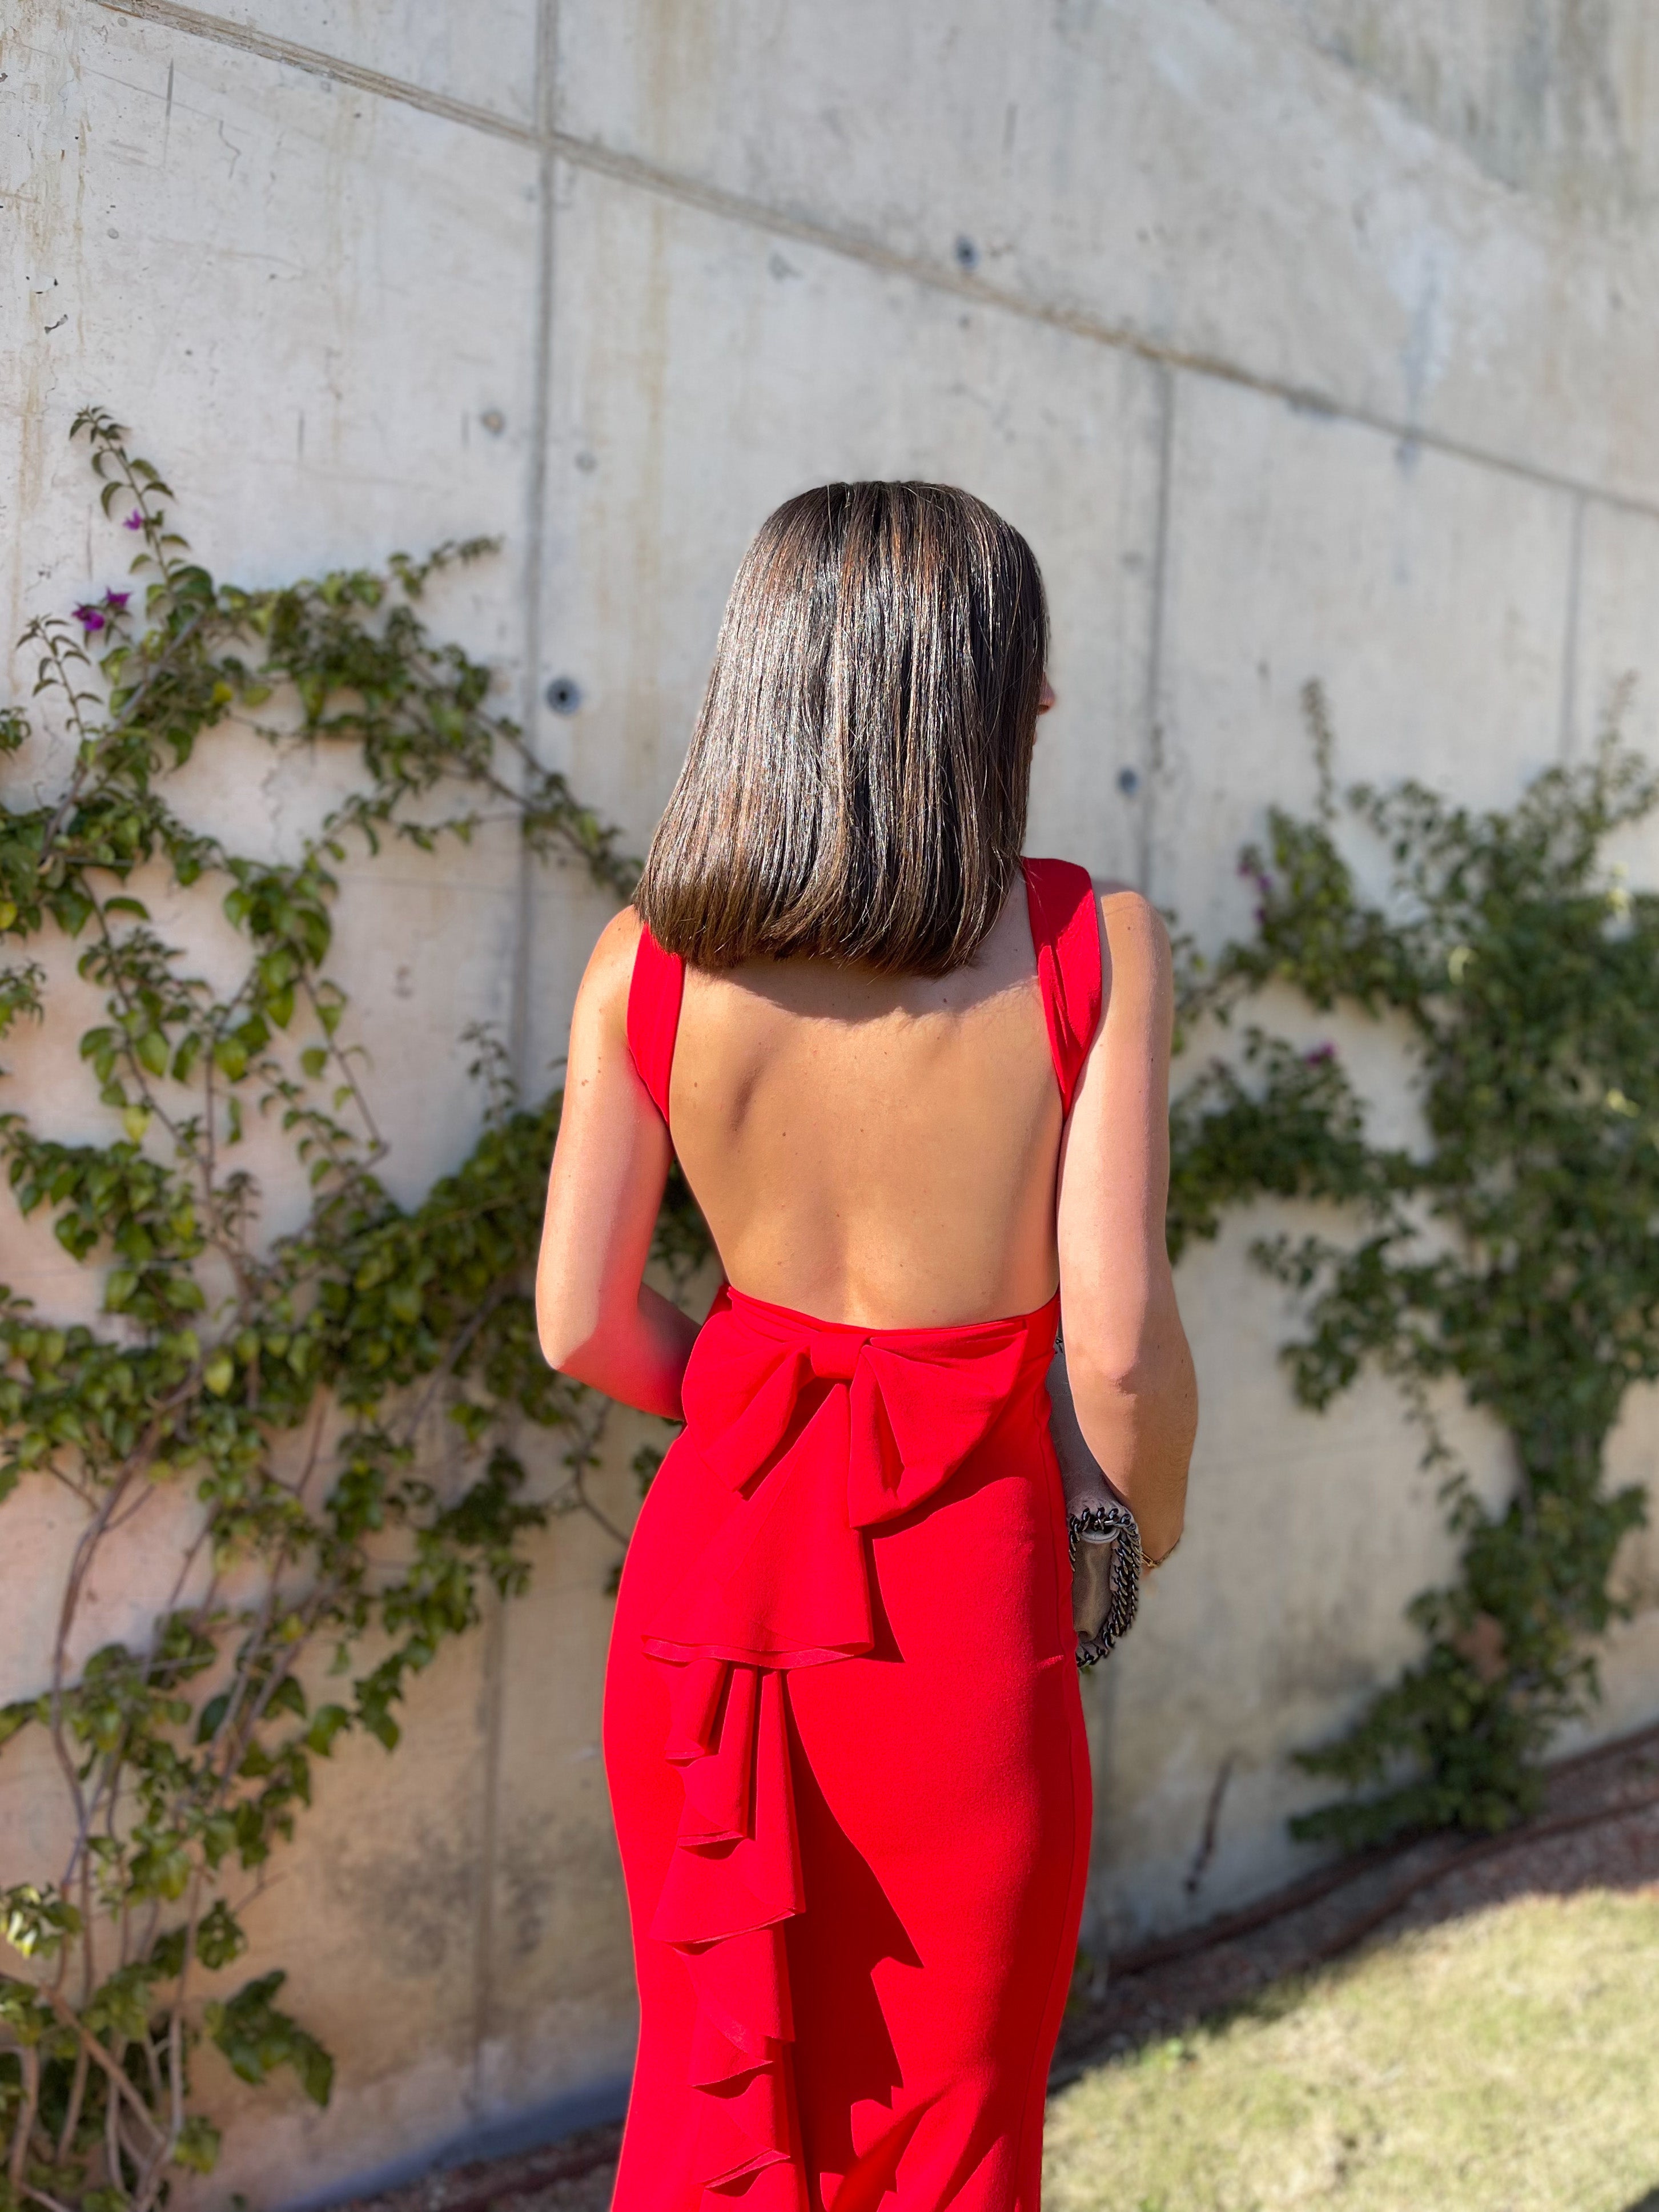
(598, 1320)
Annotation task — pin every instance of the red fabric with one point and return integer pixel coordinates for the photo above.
(654, 991)
(845, 1743)
(846, 1755)
(1065, 934)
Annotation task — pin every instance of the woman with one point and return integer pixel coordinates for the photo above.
(913, 1082)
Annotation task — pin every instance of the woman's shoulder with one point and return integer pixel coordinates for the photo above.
(618, 941)
(609, 976)
(1128, 911)
(1139, 965)
(1134, 930)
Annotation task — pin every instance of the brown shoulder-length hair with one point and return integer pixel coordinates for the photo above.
(857, 782)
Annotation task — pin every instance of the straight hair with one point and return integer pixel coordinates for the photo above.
(857, 782)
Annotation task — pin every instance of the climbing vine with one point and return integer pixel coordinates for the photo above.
(345, 1405)
(1513, 1252)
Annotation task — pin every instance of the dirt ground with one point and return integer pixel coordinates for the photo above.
(1599, 1829)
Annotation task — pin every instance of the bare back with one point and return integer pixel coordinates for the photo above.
(878, 1150)
(891, 1153)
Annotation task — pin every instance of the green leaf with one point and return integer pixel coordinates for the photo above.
(159, 1870)
(327, 1722)
(381, 1726)
(255, 2037)
(166, 1955)
(211, 1719)
(121, 2006)
(288, 1696)
(198, 2145)
(219, 1937)
(15, 1717)
(37, 1922)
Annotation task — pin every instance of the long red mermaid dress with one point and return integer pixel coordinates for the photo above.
(843, 1736)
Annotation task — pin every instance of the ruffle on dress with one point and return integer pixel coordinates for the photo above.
(824, 1432)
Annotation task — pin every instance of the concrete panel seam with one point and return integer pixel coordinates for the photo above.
(491, 1690)
(1152, 767)
(1569, 639)
(494, 1683)
(536, 518)
(631, 169)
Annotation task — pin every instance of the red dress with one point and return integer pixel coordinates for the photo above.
(843, 1736)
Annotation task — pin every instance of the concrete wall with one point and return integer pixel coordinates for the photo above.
(1303, 338)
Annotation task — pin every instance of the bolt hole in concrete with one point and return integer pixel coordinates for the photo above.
(967, 253)
(564, 695)
(1128, 781)
(494, 421)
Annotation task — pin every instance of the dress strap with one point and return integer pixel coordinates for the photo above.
(654, 992)
(1066, 937)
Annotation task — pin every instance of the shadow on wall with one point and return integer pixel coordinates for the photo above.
(552, 2122)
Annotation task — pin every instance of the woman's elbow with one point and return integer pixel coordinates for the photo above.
(1154, 1375)
(1140, 1419)
(558, 1351)
(565, 1334)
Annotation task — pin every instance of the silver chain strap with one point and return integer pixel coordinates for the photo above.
(1116, 1523)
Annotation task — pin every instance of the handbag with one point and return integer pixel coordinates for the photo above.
(1108, 1538)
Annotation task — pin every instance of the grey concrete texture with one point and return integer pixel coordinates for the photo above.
(1303, 338)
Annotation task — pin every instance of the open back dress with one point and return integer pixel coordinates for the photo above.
(843, 1734)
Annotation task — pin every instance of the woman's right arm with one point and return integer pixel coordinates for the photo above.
(1126, 1355)
(598, 1319)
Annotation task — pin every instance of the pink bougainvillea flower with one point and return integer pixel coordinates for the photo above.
(1258, 876)
(1320, 1055)
(89, 618)
(117, 601)
(135, 520)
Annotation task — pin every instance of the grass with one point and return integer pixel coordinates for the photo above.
(1505, 2063)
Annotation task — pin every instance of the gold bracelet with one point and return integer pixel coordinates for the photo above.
(1151, 1564)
